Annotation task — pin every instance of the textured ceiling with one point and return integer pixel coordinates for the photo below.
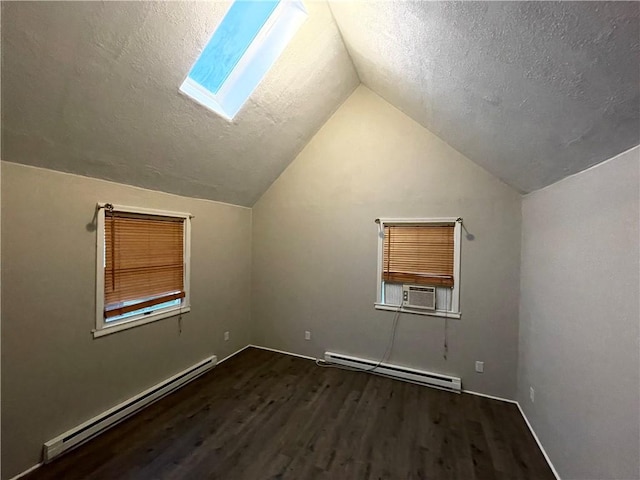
(92, 88)
(532, 91)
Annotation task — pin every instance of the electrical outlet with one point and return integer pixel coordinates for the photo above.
(479, 367)
(307, 335)
(226, 336)
(532, 394)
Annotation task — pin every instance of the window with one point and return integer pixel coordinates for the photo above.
(242, 49)
(419, 253)
(142, 266)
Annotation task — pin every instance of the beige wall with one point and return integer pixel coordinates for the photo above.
(314, 247)
(54, 374)
(579, 318)
(309, 261)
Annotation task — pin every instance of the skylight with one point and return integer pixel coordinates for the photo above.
(242, 49)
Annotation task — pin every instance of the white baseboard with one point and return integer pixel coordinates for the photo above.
(526, 420)
(395, 371)
(535, 437)
(38, 465)
(478, 394)
(533, 433)
(111, 417)
(234, 354)
(27, 471)
(471, 392)
(284, 352)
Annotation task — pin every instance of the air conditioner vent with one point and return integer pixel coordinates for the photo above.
(419, 296)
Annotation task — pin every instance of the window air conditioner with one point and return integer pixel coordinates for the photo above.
(418, 296)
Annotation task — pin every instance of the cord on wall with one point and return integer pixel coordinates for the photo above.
(387, 352)
(392, 337)
(446, 327)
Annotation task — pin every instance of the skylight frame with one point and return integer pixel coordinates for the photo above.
(267, 46)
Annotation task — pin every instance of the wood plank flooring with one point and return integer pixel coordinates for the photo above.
(264, 415)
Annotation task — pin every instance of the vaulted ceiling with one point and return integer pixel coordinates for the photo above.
(92, 88)
(532, 91)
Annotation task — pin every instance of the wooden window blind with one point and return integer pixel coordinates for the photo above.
(418, 254)
(144, 261)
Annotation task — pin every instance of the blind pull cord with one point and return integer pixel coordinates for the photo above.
(109, 208)
(445, 346)
(469, 236)
(388, 254)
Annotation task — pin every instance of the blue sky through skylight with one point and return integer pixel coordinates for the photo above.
(238, 29)
(245, 45)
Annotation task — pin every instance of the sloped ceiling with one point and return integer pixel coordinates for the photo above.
(532, 91)
(92, 88)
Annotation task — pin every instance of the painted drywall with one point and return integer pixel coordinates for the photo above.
(54, 373)
(315, 246)
(579, 319)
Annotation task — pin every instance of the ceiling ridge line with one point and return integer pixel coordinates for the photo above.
(344, 44)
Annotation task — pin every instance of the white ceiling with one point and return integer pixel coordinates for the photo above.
(531, 91)
(92, 88)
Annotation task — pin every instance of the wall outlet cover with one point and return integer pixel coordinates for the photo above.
(226, 336)
(307, 335)
(480, 367)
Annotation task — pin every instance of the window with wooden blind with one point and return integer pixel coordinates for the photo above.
(143, 264)
(419, 252)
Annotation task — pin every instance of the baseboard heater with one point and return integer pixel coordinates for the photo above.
(111, 417)
(452, 384)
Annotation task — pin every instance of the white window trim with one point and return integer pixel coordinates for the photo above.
(106, 328)
(260, 55)
(455, 294)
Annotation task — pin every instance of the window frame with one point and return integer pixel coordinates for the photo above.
(455, 293)
(106, 328)
(262, 53)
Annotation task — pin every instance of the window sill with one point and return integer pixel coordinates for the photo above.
(136, 322)
(394, 308)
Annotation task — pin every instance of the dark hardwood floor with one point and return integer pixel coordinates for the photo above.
(263, 415)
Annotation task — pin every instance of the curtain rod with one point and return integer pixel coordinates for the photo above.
(459, 219)
(109, 207)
